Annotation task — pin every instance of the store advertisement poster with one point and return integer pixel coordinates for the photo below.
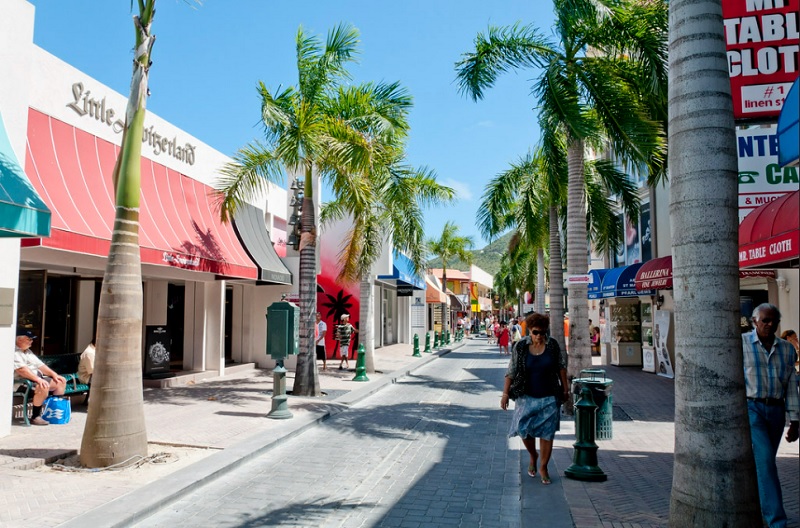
(761, 179)
(662, 328)
(762, 40)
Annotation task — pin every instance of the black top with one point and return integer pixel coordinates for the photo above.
(539, 371)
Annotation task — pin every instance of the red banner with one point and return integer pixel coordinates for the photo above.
(763, 47)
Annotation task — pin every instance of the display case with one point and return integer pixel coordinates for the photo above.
(648, 351)
(626, 333)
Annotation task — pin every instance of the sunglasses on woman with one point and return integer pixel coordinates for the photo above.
(538, 332)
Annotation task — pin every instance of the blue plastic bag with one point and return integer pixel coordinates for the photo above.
(56, 410)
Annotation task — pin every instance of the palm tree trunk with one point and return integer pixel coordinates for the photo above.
(540, 280)
(366, 314)
(577, 262)
(306, 382)
(115, 427)
(713, 480)
(556, 282)
(445, 311)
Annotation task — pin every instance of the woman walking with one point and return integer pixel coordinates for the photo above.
(537, 380)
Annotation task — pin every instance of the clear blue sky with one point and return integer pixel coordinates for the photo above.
(208, 58)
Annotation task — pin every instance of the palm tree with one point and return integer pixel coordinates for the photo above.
(115, 427)
(387, 210)
(529, 197)
(595, 84)
(316, 130)
(713, 481)
(448, 248)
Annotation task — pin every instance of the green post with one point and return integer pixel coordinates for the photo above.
(416, 346)
(427, 342)
(584, 459)
(361, 365)
(447, 337)
(436, 340)
(280, 407)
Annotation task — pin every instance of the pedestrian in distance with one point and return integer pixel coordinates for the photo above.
(536, 380)
(29, 367)
(516, 332)
(344, 334)
(320, 330)
(503, 337)
(771, 387)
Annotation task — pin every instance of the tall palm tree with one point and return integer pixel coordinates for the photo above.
(115, 427)
(596, 84)
(316, 130)
(385, 212)
(529, 197)
(713, 481)
(449, 248)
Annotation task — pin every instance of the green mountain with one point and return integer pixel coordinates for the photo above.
(488, 258)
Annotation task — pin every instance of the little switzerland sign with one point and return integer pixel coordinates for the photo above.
(763, 46)
(84, 104)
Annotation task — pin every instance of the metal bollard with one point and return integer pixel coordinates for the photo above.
(280, 407)
(436, 340)
(447, 337)
(416, 346)
(584, 459)
(361, 365)
(427, 342)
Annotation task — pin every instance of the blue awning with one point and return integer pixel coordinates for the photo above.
(789, 127)
(596, 282)
(621, 282)
(403, 272)
(22, 212)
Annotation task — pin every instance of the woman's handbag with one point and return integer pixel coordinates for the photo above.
(56, 410)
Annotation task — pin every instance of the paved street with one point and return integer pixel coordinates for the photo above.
(430, 450)
(422, 444)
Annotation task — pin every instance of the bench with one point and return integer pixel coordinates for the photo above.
(65, 365)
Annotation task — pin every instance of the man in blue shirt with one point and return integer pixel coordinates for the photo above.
(771, 386)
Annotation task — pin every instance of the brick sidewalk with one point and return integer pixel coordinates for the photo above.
(638, 460)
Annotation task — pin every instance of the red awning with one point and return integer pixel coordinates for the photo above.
(770, 235)
(656, 274)
(434, 294)
(71, 169)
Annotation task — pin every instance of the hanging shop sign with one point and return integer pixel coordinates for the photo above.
(763, 47)
(761, 178)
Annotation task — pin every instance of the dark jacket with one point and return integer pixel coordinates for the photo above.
(517, 370)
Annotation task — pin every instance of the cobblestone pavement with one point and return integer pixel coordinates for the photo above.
(429, 451)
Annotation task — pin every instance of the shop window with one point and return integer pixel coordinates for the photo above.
(30, 303)
(229, 325)
(176, 308)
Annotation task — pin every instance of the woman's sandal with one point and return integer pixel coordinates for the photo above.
(532, 470)
(546, 479)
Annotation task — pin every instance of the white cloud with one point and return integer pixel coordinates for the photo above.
(482, 124)
(463, 191)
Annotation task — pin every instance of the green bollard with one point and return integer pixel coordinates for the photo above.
(427, 342)
(361, 365)
(280, 408)
(436, 340)
(584, 459)
(416, 346)
(447, 337)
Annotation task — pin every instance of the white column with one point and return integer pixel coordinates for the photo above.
(9, 279)
(214, 326)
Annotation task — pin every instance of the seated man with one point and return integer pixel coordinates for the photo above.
(86, 365)
(28, 366)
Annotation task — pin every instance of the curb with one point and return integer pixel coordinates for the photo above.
(144, 502)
